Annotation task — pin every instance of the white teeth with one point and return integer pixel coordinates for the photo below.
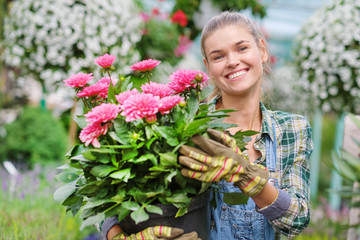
(237, 74)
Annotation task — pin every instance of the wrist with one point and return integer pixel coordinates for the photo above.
(113, 231)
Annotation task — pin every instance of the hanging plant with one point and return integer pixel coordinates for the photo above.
(327, 55)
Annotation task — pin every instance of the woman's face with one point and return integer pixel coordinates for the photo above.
(234, 60)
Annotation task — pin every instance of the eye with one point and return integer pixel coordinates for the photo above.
(243, 48)
(217, 57)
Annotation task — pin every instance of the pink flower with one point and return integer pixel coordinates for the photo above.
(157, 89)
(105, 61)
(167, 103)
(90, 133)
(179, 17)
(184, 79)
(103, 113)
(184, 45)
(139, 106)
(124, 95)
(99, 89)
(78, 80)
(145, 65)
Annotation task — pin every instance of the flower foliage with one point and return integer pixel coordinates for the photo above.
(127, 161)
(328, 57)
(40, 41)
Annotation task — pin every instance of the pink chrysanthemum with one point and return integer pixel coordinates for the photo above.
(139, 106)
(157, 89)
(105, 61)
(78, 80)
(184, 45)
(91, 133)
(184, 79)
(124, 95)
(99, 89)
(167, 103)
(103, 113)
(145, 65)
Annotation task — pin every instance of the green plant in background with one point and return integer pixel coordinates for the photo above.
(35, 137)
(348, 166)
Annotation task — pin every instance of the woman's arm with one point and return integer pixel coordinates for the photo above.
(290, 213)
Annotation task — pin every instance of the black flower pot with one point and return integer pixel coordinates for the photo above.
(197, 219)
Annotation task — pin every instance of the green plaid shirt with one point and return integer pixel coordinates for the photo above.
(294, 147)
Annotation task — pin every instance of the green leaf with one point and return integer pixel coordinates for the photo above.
(132, 206)
(192, 107)
(181, 212)
(129, 153)
(169, 134)
(88, 189)
(235, 198)
(88, 155)
(139, 215)
(66, 177)
(64, 192)
(111, 93)
(126, 84)
(343, 168)
(92, 220)
(170, 176)
(196, 127)
(168, 159)
(122, 131)
(205, 92)
(148, 144)
(145, 157)
(154, 209)
(123, 175)
(179, 198)
(179, 119)
(80, 120)
(123, 213)
(102, 170)
(149, 131)
(76, 150)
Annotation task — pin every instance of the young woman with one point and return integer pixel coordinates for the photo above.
(274, 170)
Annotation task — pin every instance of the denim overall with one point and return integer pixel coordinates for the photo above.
(243, 222)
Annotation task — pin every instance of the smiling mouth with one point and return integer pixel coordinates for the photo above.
(237, 74)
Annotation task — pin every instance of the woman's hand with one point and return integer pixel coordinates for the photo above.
(158, 233)
(218, 158)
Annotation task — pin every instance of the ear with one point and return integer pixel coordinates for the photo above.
(264, 53)
(206, 65)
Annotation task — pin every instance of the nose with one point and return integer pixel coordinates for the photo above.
(233, 60)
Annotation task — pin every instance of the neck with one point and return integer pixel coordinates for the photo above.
(248, 114)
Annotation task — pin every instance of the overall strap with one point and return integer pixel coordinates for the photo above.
(271, 148)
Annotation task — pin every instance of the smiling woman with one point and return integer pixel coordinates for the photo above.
(273, 170)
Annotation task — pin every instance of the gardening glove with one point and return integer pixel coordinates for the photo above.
(218, 158)
(159, 233)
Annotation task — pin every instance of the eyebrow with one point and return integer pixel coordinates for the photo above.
(236, 44)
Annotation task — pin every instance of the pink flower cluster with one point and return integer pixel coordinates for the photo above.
(99, 89)
(145, 65)
(78, 80)
(182, 80)
(99, 119)
(132, 104)
(105, 61)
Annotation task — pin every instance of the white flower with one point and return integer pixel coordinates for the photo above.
(38, 38)
(328, 55)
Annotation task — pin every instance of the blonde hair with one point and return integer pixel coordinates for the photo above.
(234, 18)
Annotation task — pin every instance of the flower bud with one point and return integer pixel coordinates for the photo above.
(135, 136)
(182, 103)
(199, 77)
(151, 118)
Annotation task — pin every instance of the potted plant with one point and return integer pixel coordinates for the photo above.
(127, 162)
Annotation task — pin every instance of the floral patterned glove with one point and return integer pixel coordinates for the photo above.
(218, 158)
(158, 233)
